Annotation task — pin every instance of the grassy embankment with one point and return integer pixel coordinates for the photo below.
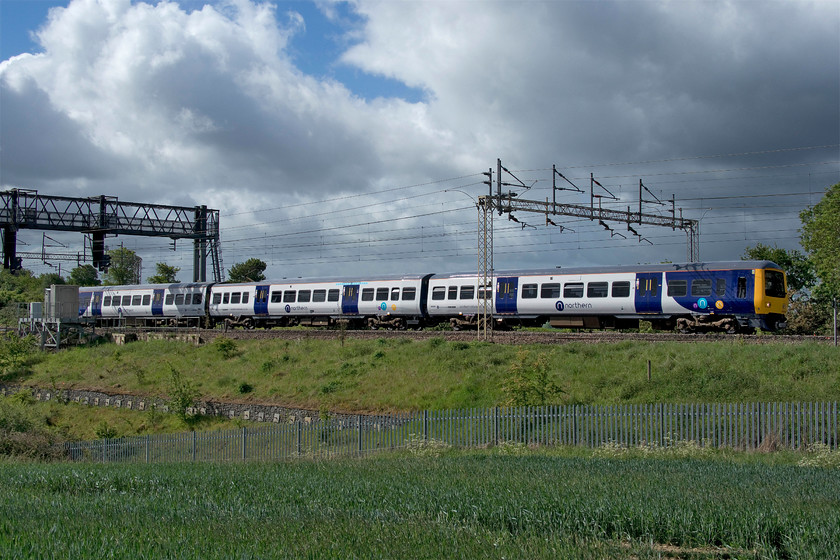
(397, 374)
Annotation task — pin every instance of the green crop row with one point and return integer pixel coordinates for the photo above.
(457, 505)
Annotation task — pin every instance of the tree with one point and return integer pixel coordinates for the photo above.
(799, 270)
(249, 271)
(85, 275)
(124, 268)
(165, 274)
(821, 240)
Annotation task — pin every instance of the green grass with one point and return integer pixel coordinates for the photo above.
(459, 505)
(398, 374)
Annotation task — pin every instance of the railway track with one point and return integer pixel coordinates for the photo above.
(498, 337)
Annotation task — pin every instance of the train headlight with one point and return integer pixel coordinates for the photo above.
(768, 304)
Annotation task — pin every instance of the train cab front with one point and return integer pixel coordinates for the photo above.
(771, 299)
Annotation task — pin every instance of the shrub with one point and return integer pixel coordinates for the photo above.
(245, 388)
(184, 396)
(22, 432)
(226, 347)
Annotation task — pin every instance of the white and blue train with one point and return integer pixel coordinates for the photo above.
(727, 296)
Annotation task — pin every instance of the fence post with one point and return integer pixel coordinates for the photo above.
(244, 441)
(496, 425)
(193, 446)
(359, 427)
(147, 448)
(299, 436)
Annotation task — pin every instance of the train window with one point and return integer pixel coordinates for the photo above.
(304, 296)
(367, 294)
(217, 299)
(332, 295)
(621, 289)
(438, 293)
(116, 301)
(467, 292)
(179, 299)
(453, 292)
(289, 296)
(126, 300)
(529, 291)
(107, 301)
(573, 290)
(276, 297)
(701, 287)
(550, 291)
(677, 288)
(196, 299)
(188, 299)
(262, 295)
(742, 287)
(226, 298)
(147, 299)
(409, 294)
(597, 289)
(720, 288)
(170, 299)
(381, 294)
(235, 298)
(319, 296)
(245, 297)
(395, 294)
(136, 300)
(774, 283)
(485, 292)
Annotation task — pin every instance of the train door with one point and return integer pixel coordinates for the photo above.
(261, 300)
(649, 292)
(350, 300)
(157, 303)
(506, 291)
(95, 301)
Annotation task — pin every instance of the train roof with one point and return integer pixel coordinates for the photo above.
(149, 286)
(626, 269)
(607, 269)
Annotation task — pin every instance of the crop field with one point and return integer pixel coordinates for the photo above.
(493, 503)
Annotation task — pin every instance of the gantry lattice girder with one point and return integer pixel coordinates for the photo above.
(24, 209)
(508, 204)
(103, 215)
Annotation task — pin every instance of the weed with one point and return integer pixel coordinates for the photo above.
(821, 455)
(426, 447)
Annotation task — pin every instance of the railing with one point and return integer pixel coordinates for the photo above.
(746, 426)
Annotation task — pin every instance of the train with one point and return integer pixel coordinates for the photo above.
(737, 296)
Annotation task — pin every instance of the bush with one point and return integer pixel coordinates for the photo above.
(22, 432)
(226, 347)
(184, 396)
(15, 353)
(245, 388)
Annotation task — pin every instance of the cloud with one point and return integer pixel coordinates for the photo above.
(166, 104)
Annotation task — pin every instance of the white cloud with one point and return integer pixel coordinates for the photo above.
(155, 102)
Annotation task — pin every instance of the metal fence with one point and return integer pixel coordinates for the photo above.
(745, 426)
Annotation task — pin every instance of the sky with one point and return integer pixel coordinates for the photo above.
(347, 138)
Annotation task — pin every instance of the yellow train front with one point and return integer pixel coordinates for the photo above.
(771, 297)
